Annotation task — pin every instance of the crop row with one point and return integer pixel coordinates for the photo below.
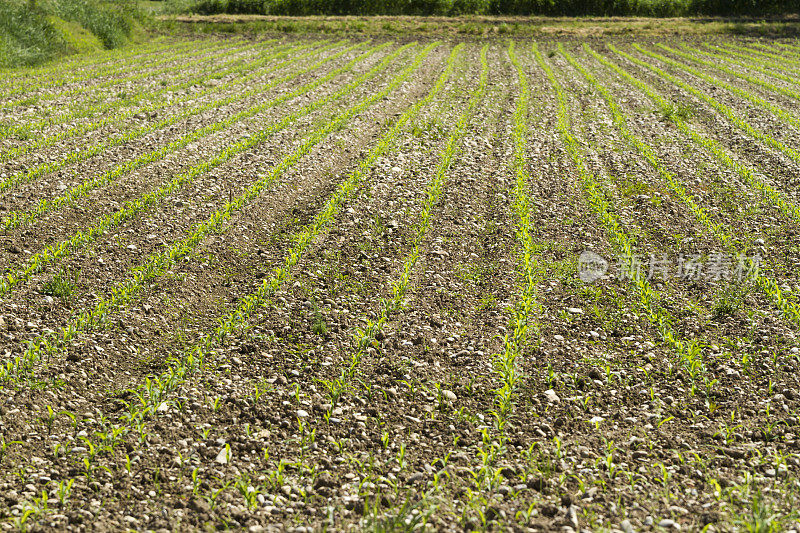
(153, 392)
(32, 173)
(142, 71)
(159, 262)
(767, 284)
(78, 110)
(17, 218)
(134, 207)
(366, 336)
(689, 353)
(239, 70)
(81, 67)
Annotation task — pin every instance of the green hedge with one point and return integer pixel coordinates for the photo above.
(652, 8)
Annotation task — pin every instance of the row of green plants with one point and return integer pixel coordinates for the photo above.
(151, 68)
(645, 8)
(779, 57)
(789, 308)
(66, 72)
(747, 173)
(154, 392)
(746, 55)
(156, 265)
(782, 49)
(26, 130)
(135, 207)
(726, 111)
(689, 352)
(765, 68)
(695, 58)
(18, 218)
(365, 337)
(29, 35)
(240, 70)
(32, 172)
(523, 326)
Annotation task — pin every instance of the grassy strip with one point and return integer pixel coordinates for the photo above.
(738, 73)
(767, 284)
(46, 82)
(133, 207)
(530, 273)
(153, 392)
(23, 130)
(17, 218)
(239, 70)
(689, 353)
(366, 336)
(81, 155)
(721, 108)
(158, 263)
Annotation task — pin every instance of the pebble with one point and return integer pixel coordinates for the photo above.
(575, 310)
(559, 338)
(223, 457)
(301, 413)
(668, 523)
(626, 526)
(552, 396)
(450, 395)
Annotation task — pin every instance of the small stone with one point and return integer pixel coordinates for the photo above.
(669, 524)
(302, 413)
(626, 526)
(558, 338)
(552, 396)
(450, 395)
(224, 456)
(199, 505)
(572, 516)
(575, 310)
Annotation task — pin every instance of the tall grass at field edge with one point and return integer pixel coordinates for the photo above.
(34, 32)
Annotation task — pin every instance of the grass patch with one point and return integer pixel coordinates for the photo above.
(30, 36)
(64, 285)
